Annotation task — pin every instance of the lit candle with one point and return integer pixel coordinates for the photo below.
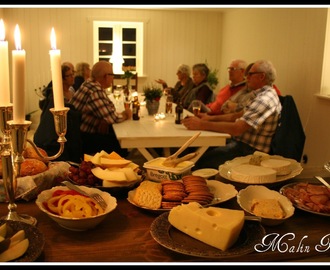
(55, 65)
(4, 67)
(18, 80)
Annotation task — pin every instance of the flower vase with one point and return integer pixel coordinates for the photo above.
(152, 106)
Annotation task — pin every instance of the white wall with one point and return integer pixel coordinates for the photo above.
(292, 38)
(170, 39)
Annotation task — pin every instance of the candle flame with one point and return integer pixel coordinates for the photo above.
(53, 39)
(17, 38)
(2, 31)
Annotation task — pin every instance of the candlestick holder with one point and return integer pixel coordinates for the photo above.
(12, 147)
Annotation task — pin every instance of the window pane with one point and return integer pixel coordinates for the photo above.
(105, 49)
(130, 62)
(129, 49)
(129, 34)
(105, 33)
(104, 59)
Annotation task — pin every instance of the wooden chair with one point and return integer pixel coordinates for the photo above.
(289, 138)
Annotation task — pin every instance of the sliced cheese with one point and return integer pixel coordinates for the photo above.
(87, 157)
(130, 174)
(105, 174)
(253, 174)
(114, 155)
(281, 166)
(96, 158)
(106, 162)
(217, 227)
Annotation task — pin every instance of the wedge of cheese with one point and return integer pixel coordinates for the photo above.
(281, 166)
(217, 227)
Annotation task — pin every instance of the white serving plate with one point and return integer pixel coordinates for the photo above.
(225, 169)
(222, 193)
(206, 173)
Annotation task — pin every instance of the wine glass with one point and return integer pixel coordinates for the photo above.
(196, 106)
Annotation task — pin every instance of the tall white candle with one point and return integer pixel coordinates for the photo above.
(18, 80)
(4, 68)
(55, 65)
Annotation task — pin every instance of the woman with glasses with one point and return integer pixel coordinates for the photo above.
(45, 136)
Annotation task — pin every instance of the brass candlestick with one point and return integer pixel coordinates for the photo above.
(12, 147)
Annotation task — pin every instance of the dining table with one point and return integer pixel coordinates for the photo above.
(160, 131)
(124, 237)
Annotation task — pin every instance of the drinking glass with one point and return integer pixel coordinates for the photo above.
(196, 106)
(169, 104)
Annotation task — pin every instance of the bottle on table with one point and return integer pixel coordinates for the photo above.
(178, 113)
(136, 108)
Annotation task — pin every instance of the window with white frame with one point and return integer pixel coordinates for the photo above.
(120, 43)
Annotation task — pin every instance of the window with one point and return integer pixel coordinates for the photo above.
(119, 42)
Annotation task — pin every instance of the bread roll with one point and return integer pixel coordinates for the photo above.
(32, 166)
(30, 152)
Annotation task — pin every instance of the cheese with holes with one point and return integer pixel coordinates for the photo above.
(217, 227)
(281, 166)
(253, 174)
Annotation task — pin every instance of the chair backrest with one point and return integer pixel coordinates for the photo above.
(289, 138)
(118, 80)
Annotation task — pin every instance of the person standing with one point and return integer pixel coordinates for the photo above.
(252, 129)
(99, 112)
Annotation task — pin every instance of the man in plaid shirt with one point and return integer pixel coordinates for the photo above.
(99, 112)
(252, 128)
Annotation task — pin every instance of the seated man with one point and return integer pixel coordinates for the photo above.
(236, 71)
(98, 112)
(252, 129)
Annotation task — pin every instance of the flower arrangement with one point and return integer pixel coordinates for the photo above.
(128, 72)
(152, 92)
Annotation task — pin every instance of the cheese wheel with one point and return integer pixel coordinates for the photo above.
(281, 166)
(253, 174)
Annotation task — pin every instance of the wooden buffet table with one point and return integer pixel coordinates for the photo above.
(124, 237)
